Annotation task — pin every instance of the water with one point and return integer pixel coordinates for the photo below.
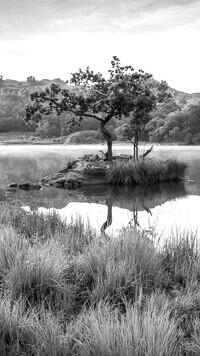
(162, 206)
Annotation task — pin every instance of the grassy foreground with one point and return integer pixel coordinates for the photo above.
(66, 291)
(146, 172)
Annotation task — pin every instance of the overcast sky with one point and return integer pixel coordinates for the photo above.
(52, 38)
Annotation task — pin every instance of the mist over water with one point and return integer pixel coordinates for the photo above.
(164, 206)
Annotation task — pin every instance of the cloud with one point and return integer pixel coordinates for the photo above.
(51, 38)
(21, 18)
(14, 52)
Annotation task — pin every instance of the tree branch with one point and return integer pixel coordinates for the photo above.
(72, 110)
(85, 114)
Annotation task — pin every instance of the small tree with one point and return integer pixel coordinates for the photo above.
(145, 104)
(31, 79)
(96, 97)
(1, 78)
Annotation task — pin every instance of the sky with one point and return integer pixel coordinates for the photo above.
(52, 38)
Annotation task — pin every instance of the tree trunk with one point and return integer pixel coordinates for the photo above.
(107, 135)
(108, 221)
(136, 156)
(134, 152)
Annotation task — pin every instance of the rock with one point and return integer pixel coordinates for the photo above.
(86, 170)
(13, 185)
(29, 186)
(73, 179)
(57, 182)
(25, 186)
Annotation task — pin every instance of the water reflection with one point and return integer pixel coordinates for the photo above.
(107, 208)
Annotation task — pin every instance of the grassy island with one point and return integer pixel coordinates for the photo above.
(67, 291)
(123, 170)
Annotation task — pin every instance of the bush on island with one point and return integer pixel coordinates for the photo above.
(145, 172)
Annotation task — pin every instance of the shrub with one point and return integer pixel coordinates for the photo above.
(84, 137)
(145, 172)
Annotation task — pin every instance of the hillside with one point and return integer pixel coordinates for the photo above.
(14, 96)
(185, 99)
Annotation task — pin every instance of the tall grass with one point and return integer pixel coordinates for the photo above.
(30, 333)
(104, 331)
(31, 224)
(145, 172)
(40, 275)
(41, 227)
(12, 324)
(65, 291)
(180, 260)
(12, 248)
(117, 269)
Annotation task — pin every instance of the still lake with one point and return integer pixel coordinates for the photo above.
(163, 207)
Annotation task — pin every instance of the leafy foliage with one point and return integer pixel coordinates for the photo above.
(31, 79)
(183, 125)
(145, 104)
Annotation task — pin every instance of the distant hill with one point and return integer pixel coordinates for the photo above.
(15, 95)
(185, 99)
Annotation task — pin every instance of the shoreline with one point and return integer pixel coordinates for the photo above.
(115, 143)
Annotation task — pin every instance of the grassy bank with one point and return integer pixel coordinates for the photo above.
(28, 138)
(146, 172)
(66, 291)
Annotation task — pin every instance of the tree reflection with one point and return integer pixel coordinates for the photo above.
(108, 221)
(140, 198)
(134, 199)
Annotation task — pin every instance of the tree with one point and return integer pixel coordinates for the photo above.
(31, 79)
(96, 97)
(1, 78)
(145, 104)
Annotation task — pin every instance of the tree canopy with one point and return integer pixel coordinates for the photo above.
(182, 125)
(125, 92)
(135, 124)
(31, 79)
